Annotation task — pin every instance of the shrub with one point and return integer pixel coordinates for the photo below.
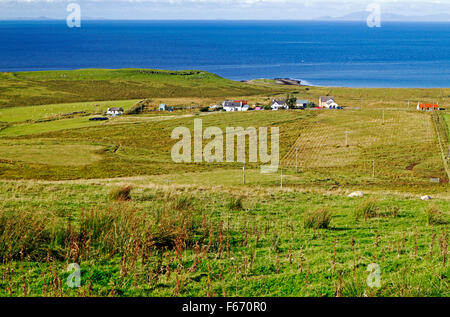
(435, 216)
(318, 219)
(367, 209)
(235, 203)
(120, 193)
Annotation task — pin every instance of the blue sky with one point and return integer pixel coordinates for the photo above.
(215, 9)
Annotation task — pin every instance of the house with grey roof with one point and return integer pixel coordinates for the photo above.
(329, 103)
(324, 100)
(235, 105)
(279, 104)
(114, 111)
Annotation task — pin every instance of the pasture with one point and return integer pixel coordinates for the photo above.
(108, 196)
(192, 240)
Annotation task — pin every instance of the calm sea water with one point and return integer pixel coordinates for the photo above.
(320, 53)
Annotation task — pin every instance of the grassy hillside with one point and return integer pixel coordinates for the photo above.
(50, 87)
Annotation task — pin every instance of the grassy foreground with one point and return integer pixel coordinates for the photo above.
(217, 241)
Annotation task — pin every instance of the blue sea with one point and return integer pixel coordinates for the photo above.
(318, 53)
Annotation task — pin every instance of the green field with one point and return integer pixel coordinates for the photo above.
(447, 121)
(194, 229)
(58, 111)
(197, 241)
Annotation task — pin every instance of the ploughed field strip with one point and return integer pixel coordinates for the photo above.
(403, 147)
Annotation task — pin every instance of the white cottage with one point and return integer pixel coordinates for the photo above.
(328, 102)
(114, 111)
(235, 105)
(279, 104)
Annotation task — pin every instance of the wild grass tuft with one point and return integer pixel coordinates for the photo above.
(367, 209)
(235, 203)
(318, 219)
(435, 216)
(120, 193)
(182, 202)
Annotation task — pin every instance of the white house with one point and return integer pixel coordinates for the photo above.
(324, 100)
(328, 102)
(235, 105)
(279, 104)
(114, 111)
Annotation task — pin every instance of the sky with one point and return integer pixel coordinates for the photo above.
(215, 9)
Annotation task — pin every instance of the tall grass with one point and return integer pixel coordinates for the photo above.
(435, 216)
(367, 209)
(318, 219)
(235, 203)
(120, 193)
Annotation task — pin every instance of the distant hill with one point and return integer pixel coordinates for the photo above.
(25, 88)
(389, 17)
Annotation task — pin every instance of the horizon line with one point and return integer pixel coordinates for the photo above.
(322, 19)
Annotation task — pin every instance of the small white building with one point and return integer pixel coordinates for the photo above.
(279, 104)
(114, 111)
(328, 102)
(235, 105)
(323, 101)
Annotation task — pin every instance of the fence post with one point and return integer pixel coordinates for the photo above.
(281, 179)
